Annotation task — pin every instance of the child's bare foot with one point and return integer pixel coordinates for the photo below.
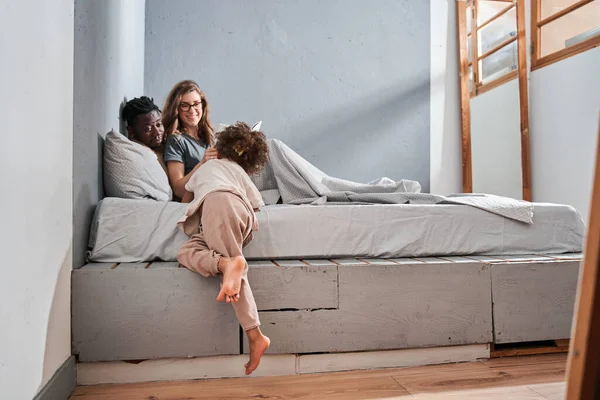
(231, 299)
(232, 270)
(259, 343)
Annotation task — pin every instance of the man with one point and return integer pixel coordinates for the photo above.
(144, 125)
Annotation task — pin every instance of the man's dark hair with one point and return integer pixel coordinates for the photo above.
(138, 106)
(240, 144)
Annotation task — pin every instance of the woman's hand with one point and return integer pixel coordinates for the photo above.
(210, 154)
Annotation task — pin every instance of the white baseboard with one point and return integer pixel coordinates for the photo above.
(271, 365)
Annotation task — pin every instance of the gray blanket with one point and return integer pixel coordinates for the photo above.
(300, 182)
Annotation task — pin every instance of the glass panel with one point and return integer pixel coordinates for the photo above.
(498, 31)
(571, 29)
(470, 79)
(551, 7)
(499, 63)
(487, 9)
(469, 49)
(469, 20)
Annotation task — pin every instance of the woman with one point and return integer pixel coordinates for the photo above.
(189, 134)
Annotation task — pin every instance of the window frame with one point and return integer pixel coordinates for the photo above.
(479, 87)
(537, 61)
(465, 93)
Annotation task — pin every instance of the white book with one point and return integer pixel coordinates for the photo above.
(255, 127)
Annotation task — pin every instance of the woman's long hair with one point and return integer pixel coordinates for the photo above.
(171, 112)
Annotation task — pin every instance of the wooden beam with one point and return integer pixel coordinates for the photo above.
(465, 102)
(536, 33)
(497, 82)
(495, 17)
(475, 47)
(563, 12)
(523, 101)
(584, 355)
(495, 49)
(566, 53)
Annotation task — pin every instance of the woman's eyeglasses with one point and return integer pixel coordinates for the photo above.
(186, 106)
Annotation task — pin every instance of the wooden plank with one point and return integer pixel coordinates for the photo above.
(497, 82)
(536, 33)
(567, 52)
(434, 260)
(523, 101)
(498, 47)
(460, 260)
(163, 265)
(99, 266)
(533, 301)
(528, 351)
(465, 106)
(133, 265)
(556, 359)
(495, 17)
(418, 305)
(563, 12)
(451, 378)
(377, 261)
(567, 256)
(349, 261)
(404, 261)
(583, 366)
(304, 287)
(475, 47)
(346, 386)
(527, 258)
(319, 263)
(289, 263)
(318, 363)
(451, 381)
(177, 369)
(550, 391)
(129, 314)
(261, 263)
(485, 259)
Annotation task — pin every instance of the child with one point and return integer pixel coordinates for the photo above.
(220, 220)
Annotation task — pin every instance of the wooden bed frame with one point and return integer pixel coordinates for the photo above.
(145, 311)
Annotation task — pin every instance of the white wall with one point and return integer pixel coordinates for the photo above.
(36, 109)
(496, 141)
(564, 112)
(109, 68)
(445, 131)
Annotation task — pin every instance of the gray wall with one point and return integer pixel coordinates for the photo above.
(109, 67)
(344, 83)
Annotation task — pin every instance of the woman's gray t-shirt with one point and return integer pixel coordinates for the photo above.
(185, 149)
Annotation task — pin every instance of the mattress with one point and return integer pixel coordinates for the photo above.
(125, 230)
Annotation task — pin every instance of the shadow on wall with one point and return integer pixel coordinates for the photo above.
(58, 329)
(367, 128)
(85, 206)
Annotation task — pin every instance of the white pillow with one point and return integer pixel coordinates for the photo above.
(133, 171)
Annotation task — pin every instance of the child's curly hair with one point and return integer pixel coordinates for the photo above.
(240, 144)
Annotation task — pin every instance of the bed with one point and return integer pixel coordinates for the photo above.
(331, 273)
(127, 230)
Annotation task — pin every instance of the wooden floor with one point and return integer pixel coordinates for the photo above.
(527, 377)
